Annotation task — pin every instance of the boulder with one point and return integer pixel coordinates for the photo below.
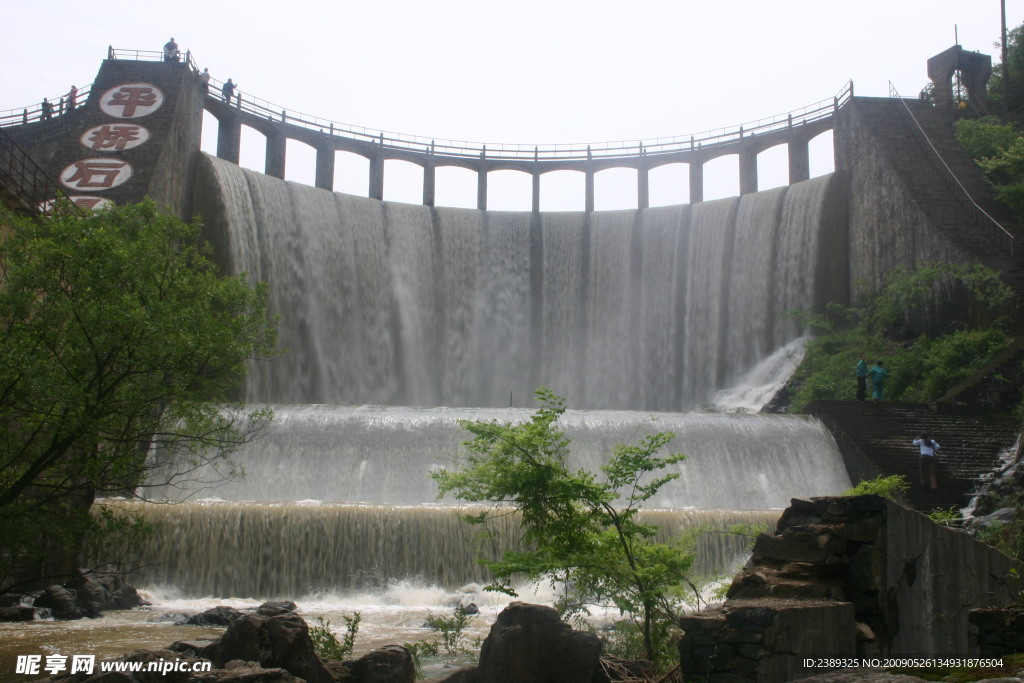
(246, 672)
(272, 609)
(390, 664)
(88, 594)
(17, 613)
(62, 602)
(101, 591)
(215, 616)
(531, 644)
(280, 641)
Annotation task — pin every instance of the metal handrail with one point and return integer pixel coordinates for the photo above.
(535, 152)
(501, 151)
(61, 106)
(270, 111)
(25, 179)
(980, 214)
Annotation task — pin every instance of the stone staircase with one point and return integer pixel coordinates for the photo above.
(877, 436)
(934, 188)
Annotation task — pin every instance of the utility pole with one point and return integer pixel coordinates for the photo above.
(1006, 65)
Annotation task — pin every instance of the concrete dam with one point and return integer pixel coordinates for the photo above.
(399, 319)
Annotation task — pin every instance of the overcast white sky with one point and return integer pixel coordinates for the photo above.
(522, 71)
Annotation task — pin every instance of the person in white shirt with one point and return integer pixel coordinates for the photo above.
(926, 460)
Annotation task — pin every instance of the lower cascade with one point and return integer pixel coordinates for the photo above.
(339, 498)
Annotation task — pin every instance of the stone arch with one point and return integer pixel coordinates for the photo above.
(773, 166)
(721, 177)
(615, 188)
(403, 181)
(821, 154)
(350, 173)
(509, 190)
(456, 187)
(563, 190)
(301, 166)
(669, 184)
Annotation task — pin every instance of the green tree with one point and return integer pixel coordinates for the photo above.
(923, 367)
(119, 334)
(583, 531)
(1015, 57)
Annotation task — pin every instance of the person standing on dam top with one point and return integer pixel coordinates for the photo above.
(862, 377)
(228, 90)
(878, 375)
(171, 51)
(926, 460)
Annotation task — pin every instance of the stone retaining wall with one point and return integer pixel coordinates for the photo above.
(847, 577)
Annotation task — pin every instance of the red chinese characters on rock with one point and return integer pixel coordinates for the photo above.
(131, 100)
(96, 174)
(114, 137)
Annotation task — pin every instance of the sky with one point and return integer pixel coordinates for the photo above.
(526, 71)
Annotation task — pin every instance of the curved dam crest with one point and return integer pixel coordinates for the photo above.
(398, 304)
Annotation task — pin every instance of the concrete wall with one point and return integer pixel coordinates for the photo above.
(847, 577)
(162, 166)
(888, 226)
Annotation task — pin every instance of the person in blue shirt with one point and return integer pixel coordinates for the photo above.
(862, 377)
(878, 375)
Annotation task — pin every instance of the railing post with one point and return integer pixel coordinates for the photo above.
(588, 186)
(481, 181)
(696, 180)
(325, 167)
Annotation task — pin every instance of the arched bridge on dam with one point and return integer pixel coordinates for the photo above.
(278, 125)
(794, 129)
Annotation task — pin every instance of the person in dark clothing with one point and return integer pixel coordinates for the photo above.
(228, 90)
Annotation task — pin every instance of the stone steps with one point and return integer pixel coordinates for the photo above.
(910, 155)
(881, 433)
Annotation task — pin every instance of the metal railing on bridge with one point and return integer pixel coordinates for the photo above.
(270, 111)
(265, 109)
(58, 106)
(540, 152)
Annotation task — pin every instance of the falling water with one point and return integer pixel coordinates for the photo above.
(384, 456)
(632, 316)
(396, 304)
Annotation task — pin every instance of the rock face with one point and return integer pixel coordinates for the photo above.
(88, 594)
(531, 644)
(280, 641)
(847, 577)
(215, 616)
(390, 664)
(997, 632)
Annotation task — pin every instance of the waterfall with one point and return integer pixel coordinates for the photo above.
(632, 316)
(384, 455)
(396, 304)
(289, 550)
